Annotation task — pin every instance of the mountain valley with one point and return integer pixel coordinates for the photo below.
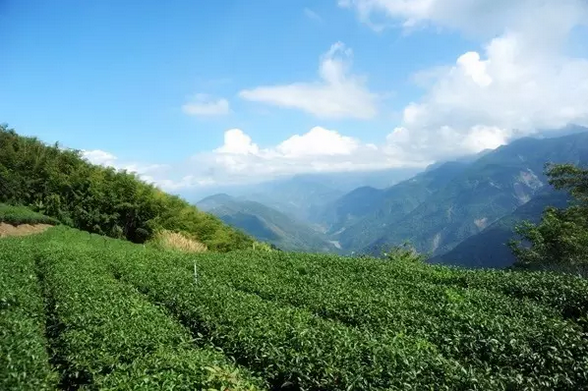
(441, 211)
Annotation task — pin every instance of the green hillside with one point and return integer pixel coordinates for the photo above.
(266, 224)
(58, 183)
(250, 320)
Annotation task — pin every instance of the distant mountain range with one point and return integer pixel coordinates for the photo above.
(266, 224)
(303, 195)
(460, 212)
(359, 218)
(491, 187)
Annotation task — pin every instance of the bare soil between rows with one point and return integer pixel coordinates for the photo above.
(22, 229)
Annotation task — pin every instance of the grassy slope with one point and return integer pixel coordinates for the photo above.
(321, 322)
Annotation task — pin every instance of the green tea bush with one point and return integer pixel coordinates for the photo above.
(285, 344)
(112, 338)
(24, 361)
(302, 321)
(16, 215)
(566, 294)
(470, 325)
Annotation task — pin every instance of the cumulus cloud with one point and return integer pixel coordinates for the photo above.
(318, 141)
(521, 81)
(237, 143)
(107, 159)
(338, 94)
(151, 173)
(239, 159)
(202, 105)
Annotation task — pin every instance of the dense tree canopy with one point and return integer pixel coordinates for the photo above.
(60, 183)
(560, 240)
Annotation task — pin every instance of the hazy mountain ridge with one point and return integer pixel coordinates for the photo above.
(266, 224)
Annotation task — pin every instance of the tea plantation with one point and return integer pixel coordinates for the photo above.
(16, 215)
(82, 311)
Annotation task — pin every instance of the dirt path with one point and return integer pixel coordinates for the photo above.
(22, 229)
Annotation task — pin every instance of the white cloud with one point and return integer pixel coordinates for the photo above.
(99, 157)
(522, 80)
(204, 105)
(150, 173)
(479, 17)
(471, 66)
(339, 94)
(310, 14)
(239, 159)
(186, 182)
(514, 91)
(318, 141)
(237, 143)
(107, 159)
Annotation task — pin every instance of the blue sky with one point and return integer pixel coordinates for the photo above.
(190, 93)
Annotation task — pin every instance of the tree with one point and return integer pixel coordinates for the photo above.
(405, 253)
(560, 241)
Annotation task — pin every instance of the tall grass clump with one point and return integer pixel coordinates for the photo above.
(168, 240)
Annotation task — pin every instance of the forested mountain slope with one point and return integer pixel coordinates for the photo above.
(490, 188)
(364, 215)
(305, 196)
(489, 249)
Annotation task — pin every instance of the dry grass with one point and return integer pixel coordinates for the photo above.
(176, 241)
